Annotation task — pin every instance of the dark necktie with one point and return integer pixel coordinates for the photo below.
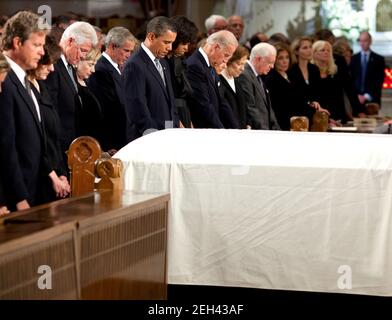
(262, 86)
(72, 76)
(363, 71)
(213, 74)
(28, 87)
(30, 93)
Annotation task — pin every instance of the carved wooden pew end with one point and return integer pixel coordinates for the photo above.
(86, 162)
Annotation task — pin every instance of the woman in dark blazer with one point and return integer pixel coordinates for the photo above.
(285, 100)
(4, 68)
(230, 88)
(54, 184)
(305, 76)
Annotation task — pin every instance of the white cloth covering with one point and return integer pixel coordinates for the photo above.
(272, 209)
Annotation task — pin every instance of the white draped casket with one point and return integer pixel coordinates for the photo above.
(269, 209)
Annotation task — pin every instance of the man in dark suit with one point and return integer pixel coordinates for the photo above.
(149, 97)
(208, 109)
(107, 86)
(367, 69)
(76, 41)
(22, 138)
(260, 112)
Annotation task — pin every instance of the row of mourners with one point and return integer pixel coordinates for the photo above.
(57, 87)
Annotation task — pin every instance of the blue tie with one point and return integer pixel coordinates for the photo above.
(363, 71)
(213, 73)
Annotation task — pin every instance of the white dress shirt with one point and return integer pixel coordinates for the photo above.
(21, 75)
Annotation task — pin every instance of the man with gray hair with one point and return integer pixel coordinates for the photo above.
(208, 109)
(149, 97)
(76, 42)
(260, 113)
(107, 86)
(215, 23)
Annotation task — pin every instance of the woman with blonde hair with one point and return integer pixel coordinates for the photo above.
(4, 68)
(91, 119)
(331, 81)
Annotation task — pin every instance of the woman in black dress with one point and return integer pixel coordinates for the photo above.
(230, 88)
(285, 100)
(305, 76)
(55, 184)
(331, 82)
(186, 35)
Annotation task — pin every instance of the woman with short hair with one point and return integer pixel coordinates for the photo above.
(230, 87)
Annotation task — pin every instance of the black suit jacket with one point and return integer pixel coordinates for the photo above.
(2, 195)
(106, 84)
(348, 84)
(308, 91)
(148, 102)
(374, 78)
(91, 120)
(235, 99)
(286, 102)
(260, 113)
(22, 141)
(208, 110)
(66, 100)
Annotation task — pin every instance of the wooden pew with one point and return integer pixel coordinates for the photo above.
(119, 248)
(115, 241)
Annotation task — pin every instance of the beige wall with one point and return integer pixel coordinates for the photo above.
(199, 10)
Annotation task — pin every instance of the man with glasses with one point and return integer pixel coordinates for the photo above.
(76, 42)
(260, 112)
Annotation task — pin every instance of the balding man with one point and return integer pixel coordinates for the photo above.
(215, 23)
(208, 110)
(236, 25)
(260, 113)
